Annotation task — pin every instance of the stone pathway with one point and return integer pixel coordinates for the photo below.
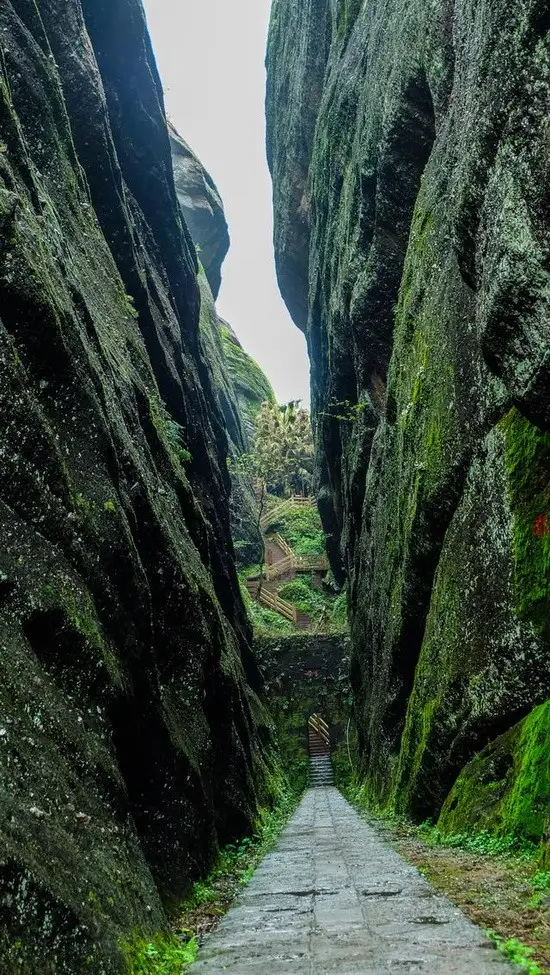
(334, 897)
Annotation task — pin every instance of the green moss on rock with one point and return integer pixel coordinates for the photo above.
(250, 382)
(411, 243)
(505, 789)
(528, 460)
(480, 664)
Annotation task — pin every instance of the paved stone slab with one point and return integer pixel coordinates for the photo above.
(334, 897)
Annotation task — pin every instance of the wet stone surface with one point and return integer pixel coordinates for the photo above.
(334, 897)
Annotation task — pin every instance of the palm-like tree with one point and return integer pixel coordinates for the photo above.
(283, 446)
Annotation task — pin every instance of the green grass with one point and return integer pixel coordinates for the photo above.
(319, 604)
(340, 612)
(264, 620)
(164, 955)
(302, 529)
(540, 883)
(516, 953)
(541, 880)
(302, 593)
(479, 842)
(251, 572)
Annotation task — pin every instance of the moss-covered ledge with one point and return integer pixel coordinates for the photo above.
(505, 790)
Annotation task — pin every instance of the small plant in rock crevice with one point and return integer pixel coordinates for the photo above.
(175, 435)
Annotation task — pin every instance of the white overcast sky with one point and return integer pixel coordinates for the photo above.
(210, 55)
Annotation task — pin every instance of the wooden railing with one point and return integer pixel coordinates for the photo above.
(311, 563)
(319, 727)
(296, 501)
(301, 563)
(280, 568)
(275, 513)
(271, 601)
(282, 543)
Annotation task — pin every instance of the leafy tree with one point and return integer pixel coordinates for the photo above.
(283, 448)
(281, 457)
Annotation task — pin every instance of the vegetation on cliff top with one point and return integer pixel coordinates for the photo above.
(251, 384)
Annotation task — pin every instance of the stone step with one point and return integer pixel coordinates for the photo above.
(320, 770)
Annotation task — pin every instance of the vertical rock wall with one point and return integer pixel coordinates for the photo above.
(239, 385)
(128, 746)
(425, 265)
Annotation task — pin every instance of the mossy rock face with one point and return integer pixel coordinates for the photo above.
(481, 664)
(420, 221)
(506, 788)
(299, 44)
(128, 750)
(238, 417)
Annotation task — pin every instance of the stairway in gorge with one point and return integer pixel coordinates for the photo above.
(282, 565)
(320, 764)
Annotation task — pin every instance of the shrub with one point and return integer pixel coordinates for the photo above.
(302, 529)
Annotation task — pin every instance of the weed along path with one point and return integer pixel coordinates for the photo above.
(333, 896)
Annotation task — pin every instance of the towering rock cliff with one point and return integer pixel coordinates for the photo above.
(408, 147)
(202, 209)
(239, 385)
(128, 746)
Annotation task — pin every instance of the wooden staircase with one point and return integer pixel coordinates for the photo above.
(272, 601)
(320, 766)
(282, 563)
(296, 501)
